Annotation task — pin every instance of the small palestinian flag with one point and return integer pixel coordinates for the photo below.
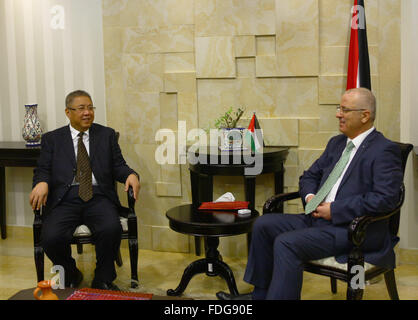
(255, 135)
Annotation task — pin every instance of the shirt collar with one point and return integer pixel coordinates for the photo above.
(357, 141)
(75, 132)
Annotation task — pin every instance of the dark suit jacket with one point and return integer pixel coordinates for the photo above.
(57, 162)
(370, 185)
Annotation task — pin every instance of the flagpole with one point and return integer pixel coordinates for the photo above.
(358, 73)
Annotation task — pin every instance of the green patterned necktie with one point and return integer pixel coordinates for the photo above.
(331, 180)
(83, 176)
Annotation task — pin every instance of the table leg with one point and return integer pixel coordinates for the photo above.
(211, 265)
(249, 185)
(197, 243)
(205, 187)
(194, 183)
(3, 202)
(216, 267)
(202, 187)
(194, 268)
(203, 193)
(222, 269)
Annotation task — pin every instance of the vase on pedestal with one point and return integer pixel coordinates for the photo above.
(31, 131)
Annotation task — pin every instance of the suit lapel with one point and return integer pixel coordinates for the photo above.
(69, 145)
(92, 142)
(359, 154)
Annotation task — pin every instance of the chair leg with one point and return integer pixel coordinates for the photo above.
(39, 263)
(355, 274)
(133, 255)
(333, 285)
(354, 294)
(391, 285)
(38, 253)
(119, 261)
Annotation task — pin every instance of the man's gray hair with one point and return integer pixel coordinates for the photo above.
(366, 99)
(72, 95)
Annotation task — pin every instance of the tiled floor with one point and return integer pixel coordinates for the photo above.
(159, 271)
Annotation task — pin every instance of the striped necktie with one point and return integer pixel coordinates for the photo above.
(331, 180)
(83, 175)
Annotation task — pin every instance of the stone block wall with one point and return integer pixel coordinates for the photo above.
(191, 60)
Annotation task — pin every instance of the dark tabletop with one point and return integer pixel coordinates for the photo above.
(212, 161)
(185, 219)
(15, 153)
(13, 145)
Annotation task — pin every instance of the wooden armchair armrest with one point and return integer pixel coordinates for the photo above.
(357, 228)
(131, 199)
(357, 234)
(272, 203)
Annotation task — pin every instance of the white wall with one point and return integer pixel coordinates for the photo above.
(409, 119)
(40, 63)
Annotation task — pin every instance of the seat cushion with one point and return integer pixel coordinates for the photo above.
(84, 231)
(331, 262)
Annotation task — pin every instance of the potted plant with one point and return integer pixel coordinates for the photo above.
(229, 119)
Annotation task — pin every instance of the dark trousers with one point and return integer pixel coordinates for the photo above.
(100, 215)
(280, 245)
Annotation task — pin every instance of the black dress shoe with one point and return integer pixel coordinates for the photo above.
(226, 296)
(74, 279)
(104, 285)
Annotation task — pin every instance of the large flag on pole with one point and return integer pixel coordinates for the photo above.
(358, 75)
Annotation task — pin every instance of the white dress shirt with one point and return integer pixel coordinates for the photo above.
(357, 141)
(74, 136)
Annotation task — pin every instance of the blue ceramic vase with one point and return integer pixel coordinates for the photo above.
(32, 131)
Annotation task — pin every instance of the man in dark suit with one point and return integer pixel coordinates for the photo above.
(359, 173)
(74, 181)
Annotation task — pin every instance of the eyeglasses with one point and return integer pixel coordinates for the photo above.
(346, 110)
(84, 108)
